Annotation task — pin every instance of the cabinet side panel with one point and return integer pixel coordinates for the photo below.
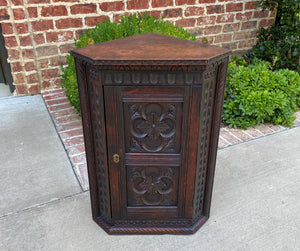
(87, 130)
(215, 130)
(99, 140)
(207, 102)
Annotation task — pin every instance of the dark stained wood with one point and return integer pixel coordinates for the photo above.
(151, 120)
(214, 135)
(150, 47)
(191, 144)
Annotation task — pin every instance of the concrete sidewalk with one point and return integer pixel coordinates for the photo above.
(255, 202)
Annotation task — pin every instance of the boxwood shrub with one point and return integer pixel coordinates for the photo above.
(105, 31)
(255, 94)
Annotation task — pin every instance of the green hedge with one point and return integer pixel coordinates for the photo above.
(106, 31)
(255, 94)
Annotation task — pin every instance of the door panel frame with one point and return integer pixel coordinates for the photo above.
(114, 96)
(115, 145)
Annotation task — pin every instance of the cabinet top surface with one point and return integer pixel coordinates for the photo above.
(150, 47)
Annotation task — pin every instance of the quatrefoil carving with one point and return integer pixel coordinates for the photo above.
(153, 127)
(151, 186)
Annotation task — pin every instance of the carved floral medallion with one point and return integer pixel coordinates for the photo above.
(152, 186)
(152, 127)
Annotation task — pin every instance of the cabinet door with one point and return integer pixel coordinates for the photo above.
(147, 150)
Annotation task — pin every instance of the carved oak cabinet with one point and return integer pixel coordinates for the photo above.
(151, 107)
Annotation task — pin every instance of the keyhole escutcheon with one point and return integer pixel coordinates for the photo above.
(116, 158)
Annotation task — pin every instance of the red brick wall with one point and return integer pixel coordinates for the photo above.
(39, 33)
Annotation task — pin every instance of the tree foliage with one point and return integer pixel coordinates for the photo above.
(280, 43)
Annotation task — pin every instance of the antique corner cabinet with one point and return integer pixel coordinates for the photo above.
(151, 108)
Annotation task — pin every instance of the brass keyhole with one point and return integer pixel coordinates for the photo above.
(116, 158)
